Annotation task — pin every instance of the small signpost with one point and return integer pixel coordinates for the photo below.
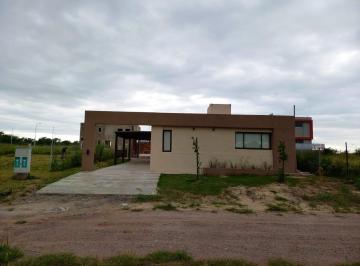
(319, 147)
(22, 162)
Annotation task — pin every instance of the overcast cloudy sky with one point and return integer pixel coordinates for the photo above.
(59, 58)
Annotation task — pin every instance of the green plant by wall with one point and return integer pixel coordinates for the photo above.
(197, 153)
(282, 158)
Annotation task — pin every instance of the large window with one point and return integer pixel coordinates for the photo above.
(244, 140)
(167, 141)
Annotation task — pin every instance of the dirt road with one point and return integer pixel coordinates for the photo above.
(105, 229)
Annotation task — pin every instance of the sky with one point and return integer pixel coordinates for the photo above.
(60, 58)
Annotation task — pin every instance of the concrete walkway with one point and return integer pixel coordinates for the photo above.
(129, 178)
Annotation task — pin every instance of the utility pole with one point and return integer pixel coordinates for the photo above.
(347, 160)
(12, 133)
(51, 147)
(36, 125)
(294, 110)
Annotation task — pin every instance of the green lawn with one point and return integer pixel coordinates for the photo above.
(209, 185)
(40, 175)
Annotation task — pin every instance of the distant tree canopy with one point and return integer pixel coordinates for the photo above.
(5, 138)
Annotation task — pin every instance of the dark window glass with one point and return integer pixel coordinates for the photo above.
(244, 140)
(167, 139)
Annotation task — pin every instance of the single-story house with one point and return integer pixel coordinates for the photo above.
(229, 140)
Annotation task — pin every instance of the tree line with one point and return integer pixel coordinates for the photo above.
(6, 138)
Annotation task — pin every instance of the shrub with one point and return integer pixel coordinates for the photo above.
(331, 164)
(103, 153)
(72, 160)
(8, 254)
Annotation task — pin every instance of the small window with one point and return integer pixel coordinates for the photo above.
(99, 142)
(120, 129)
(128, 129)
(245, 140)
(99, 129)
(167, 140)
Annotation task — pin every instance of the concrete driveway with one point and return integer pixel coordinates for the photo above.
(129, 178)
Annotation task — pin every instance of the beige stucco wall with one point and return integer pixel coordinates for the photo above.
(214, 144)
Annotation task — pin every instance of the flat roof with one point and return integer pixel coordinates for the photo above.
(189, 119)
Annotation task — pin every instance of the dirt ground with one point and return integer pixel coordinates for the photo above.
(105, 226)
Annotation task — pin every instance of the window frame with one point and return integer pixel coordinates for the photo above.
(261, 138)
(163, 140)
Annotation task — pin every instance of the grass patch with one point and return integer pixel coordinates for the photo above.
(13, 257)
(208, 185)
(341, 201)
(165, 207)
(225, 262)
(61, 259)
(147, 198)
(281, 262)
(277, 208)
(8, 254)
(166, 256)
(282, 207)
(21, 222)
(279, 198)
(136, 210)
(240, 210)
(40, 172)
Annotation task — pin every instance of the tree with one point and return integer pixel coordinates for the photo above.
(44, 141)
(357, 152)
(197, 152)
(282, 158)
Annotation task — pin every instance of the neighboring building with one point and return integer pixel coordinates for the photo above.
(105, 134)
(247, 141)
(303, 133)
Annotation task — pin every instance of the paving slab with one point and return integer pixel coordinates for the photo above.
(129, 178)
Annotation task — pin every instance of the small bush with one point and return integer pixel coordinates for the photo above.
(8, 254)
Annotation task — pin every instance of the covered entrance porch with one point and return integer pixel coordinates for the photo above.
(132, 143)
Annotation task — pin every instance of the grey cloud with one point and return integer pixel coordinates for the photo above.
(59, 58)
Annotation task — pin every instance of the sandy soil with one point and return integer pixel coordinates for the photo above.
(99, 226)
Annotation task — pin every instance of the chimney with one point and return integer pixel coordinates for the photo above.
(219, 109)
